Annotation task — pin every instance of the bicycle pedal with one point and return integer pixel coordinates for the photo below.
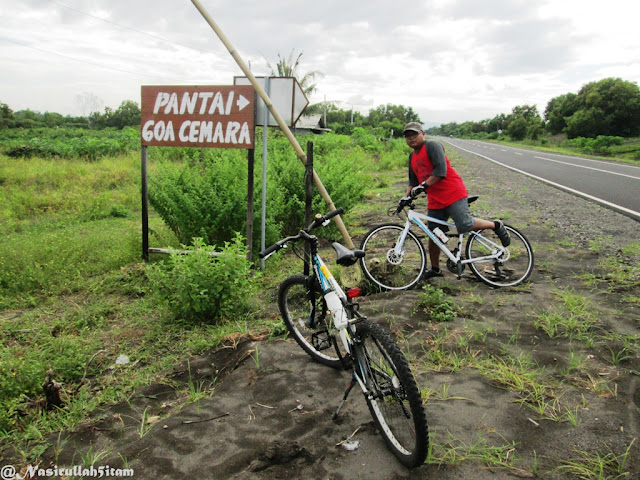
(321, 340)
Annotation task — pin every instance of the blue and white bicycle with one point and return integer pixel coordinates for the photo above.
(396, 258)
(325, 321)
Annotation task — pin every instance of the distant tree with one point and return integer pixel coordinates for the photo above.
(589, 123)
(51, 119)
(518, 128)
(127, 114)
(497, 123)
(528, 112)
(558, 110)
(535, 129)
(6, 116)
(524, 122)
(391, 112)
(288, 67)
(391, 118)
(607, 107)
(27, 119)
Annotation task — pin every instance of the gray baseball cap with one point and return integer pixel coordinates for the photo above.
(412, 127)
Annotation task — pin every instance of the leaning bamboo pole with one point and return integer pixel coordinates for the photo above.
(281, 123)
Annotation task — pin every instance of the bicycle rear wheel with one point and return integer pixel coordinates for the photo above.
(384, 267)
(393, 396)
(512, 268)
(309, 322)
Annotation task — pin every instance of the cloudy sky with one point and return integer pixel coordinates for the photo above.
(450, 60)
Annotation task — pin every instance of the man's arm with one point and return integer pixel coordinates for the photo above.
(435, 152)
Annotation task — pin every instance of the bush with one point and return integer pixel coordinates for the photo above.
(435, 304)
(68, 142)
(205, 199)
(199, 286)
(206, 196)
(601, 144)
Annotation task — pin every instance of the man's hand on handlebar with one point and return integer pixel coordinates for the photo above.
(415, 191)
(404, 202)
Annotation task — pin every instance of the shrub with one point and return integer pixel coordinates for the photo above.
(68, 142)
(199, 286)
(202, 200)
(206, 196)
(601, 144)
(434, 303)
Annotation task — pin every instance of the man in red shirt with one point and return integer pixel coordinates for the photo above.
(429, 167)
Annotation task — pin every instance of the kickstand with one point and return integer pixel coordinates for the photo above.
(344, 398)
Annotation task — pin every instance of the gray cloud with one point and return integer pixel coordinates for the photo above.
(441, 58)
(529, 46)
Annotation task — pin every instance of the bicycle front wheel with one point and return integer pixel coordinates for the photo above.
(393, 396)
(309, 322)
(511, 268)
(387, 268)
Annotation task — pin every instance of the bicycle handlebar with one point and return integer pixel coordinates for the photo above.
(320, 220)
(323, 219)
(404, 202)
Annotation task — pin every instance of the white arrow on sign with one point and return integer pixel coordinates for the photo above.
(242, 102)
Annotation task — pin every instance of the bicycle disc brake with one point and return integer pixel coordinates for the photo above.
(395, 258)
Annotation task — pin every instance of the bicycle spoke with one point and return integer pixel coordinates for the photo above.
(391, 266)
(496, 265)
(309, 322)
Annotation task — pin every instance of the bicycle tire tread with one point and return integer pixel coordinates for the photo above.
(403, 371)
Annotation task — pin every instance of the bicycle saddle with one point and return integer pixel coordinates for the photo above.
(346, 256)
(472, 199)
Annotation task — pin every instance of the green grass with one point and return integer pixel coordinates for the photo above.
(596, 466)
(74, 294)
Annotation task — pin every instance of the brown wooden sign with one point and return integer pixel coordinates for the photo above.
(198, 116)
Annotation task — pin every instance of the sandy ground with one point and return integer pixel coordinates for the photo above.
(269, 415)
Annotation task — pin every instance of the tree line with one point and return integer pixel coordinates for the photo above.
(127, 114)
(609, 107)
(385, 120)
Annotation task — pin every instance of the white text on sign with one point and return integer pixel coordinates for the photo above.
(189, 103)
(197, 132)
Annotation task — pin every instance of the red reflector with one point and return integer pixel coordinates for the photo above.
(353, 292)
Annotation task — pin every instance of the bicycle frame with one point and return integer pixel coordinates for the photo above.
(327, 283)
(421, 221)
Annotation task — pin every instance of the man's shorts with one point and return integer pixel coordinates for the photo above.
(458, 211)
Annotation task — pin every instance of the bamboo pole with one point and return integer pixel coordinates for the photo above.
(281, 123)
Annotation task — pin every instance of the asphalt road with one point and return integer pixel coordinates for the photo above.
(614, 185)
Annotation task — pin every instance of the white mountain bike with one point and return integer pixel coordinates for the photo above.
(396, 258)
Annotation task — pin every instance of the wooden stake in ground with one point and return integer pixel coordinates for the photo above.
(281, 123)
